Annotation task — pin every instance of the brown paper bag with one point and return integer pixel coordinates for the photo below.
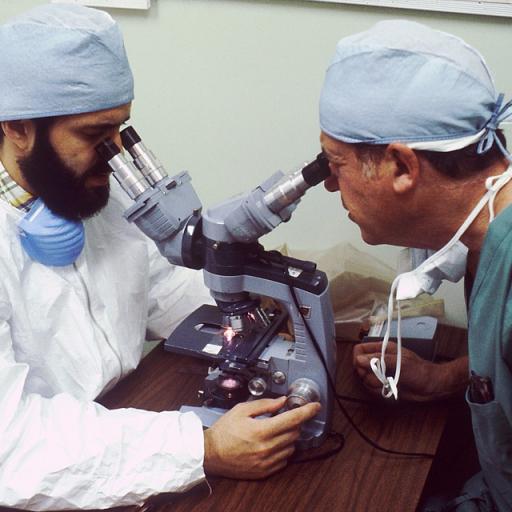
(359, 286)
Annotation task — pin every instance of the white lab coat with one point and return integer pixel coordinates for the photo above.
(67, 335)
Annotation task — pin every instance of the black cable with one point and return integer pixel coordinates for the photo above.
(354, 399)
(333, 387)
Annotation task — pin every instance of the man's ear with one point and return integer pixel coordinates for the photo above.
(405, 167)
(20, 133)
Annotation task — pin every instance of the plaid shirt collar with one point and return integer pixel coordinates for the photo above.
(12, 193)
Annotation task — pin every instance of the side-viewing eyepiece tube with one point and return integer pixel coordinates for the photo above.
(294, 185)
(286, 192)
(125, 172)
(317, 171)
(143, 158)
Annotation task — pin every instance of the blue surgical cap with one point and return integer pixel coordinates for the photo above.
(61, 60)
(403, 81)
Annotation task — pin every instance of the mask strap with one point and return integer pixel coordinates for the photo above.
(491, 192)
(39, 208)
(389, 384)
(494, 184)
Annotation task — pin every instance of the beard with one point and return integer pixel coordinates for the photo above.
(63, 192)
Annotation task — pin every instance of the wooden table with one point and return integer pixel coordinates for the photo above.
(358, 479)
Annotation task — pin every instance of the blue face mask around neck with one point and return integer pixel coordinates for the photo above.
(49, 239)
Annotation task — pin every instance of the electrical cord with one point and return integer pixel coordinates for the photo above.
(353, 399)
(338, 398)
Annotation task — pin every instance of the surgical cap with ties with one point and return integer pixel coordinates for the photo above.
(403, 81)
(62, 60)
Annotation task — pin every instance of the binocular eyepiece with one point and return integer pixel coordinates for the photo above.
(146, 171)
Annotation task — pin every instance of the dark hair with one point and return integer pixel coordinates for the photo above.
(466, 161)
(457, 164)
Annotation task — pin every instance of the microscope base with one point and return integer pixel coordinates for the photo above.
(209, 415)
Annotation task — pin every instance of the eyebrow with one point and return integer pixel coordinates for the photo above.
(332, 157)
(102, 125)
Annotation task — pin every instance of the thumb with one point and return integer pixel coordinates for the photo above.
(368, 347)
(263, 406)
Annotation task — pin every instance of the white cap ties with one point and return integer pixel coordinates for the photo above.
(490, 137)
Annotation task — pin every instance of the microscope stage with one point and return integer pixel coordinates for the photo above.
(201, 335)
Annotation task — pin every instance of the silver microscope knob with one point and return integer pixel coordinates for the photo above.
(301, 392)
(257, 386)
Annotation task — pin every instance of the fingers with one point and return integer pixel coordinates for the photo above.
(287, 424)
(280, 459)
(370, 381)
(278, 466)
(262, 406)
(363, 354)
(363, 362)
(367, 348)
(286, 439)
(273, 464)
(373, 346)
(284, 421)
(294, 418)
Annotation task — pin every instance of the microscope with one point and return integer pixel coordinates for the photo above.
(258, 293)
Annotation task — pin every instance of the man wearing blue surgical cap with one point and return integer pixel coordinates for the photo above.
(81, 289)
(410, 124)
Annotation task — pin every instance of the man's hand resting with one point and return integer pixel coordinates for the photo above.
(420, 380)
(239, 445)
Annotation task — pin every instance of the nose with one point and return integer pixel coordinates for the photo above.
(331, 184)
(116, 137)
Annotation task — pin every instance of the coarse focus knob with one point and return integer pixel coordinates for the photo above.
(301, 392)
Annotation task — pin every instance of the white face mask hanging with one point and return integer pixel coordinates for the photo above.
(427, 275)
(448, 263)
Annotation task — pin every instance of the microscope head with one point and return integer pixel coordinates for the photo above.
(247, 217)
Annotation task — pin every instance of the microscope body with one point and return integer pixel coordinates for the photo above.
(243, 337)
(281, 364)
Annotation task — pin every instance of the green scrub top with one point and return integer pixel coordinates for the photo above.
(490, 355)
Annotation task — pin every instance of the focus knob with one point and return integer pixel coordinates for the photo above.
(301, 392)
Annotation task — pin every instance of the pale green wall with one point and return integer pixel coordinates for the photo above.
(228, 89)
